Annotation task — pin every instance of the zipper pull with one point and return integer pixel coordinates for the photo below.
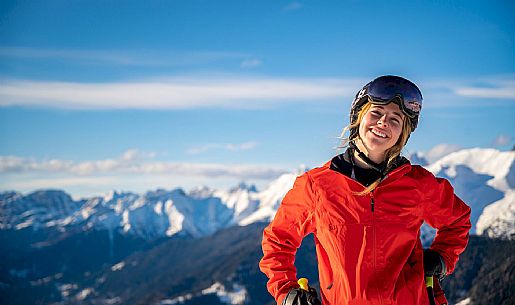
(372, 202)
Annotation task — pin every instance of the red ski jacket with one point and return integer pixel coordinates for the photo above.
(368, 247)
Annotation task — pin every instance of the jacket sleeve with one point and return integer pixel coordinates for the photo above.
(450, 216)
(283, 236)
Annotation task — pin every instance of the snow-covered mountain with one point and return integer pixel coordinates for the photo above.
(484, 178)
(152, 215)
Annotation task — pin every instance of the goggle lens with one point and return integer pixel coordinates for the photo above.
(386, 88)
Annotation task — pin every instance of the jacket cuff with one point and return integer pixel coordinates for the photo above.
(444, 267)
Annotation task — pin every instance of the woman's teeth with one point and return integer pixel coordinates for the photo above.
(378, 133)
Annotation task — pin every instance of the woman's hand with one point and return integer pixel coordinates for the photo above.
(299, 296)
(434, 264)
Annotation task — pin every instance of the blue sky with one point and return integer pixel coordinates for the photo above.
(135, 95)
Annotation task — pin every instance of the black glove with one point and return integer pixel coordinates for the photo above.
(298, 296)
(434, 264)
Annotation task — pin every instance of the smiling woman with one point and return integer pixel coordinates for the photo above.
(365, 208)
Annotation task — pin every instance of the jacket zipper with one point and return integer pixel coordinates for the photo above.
(374, 242)
(373, 231)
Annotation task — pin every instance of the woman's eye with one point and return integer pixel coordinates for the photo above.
(375, 112)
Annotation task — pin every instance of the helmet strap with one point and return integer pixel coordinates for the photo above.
(378, 167)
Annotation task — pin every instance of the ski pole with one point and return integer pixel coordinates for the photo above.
(429, 287)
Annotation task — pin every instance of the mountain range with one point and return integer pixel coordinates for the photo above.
(45, 235)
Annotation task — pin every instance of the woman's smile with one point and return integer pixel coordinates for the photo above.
(378, 133)
(380, 129)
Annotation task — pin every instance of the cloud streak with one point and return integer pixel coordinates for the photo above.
(502, 140)
(133, 162)
(500, 89)
(223, 91)
(293, 6)
(121, 57)
(222, 146)
(177, 93)
(250, 63)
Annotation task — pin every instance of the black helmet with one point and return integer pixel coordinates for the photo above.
(384, 90)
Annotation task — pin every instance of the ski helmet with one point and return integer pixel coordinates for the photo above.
(384, 90)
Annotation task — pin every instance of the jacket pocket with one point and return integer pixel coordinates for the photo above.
(410, 286)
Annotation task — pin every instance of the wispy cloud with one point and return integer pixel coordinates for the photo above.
(133, 162)
(52, 183)
(175, 93)
(502, 140)
(496, 88)
(225, 91)
(222, 146)
(121, 57)
(440, 151)
(293, 6)
(250, 63)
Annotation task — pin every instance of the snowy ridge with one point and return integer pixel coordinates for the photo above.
(483, 178)
(270, 199)
(482, 161)
(41, 208)
(152, 215)
(498, 219)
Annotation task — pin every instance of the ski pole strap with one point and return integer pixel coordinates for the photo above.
(439, 294)
(435, 292)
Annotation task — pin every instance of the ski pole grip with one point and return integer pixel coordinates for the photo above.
(429, 281)
(303, 283)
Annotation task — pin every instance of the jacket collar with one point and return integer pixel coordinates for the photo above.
(341, 163)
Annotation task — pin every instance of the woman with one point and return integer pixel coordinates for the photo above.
(365, 208)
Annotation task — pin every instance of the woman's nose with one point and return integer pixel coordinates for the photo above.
(382, 121)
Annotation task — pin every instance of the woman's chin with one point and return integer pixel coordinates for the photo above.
(376, 146)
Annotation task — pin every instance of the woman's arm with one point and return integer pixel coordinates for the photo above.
(450, 216)
(281, 239)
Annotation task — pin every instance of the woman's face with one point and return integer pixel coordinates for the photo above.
(381, 127)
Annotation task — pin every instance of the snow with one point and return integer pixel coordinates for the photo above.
(158, 208)
(118, 266)
(236, 296)
(25, 224)
(115, 300)
(175, 218)
(483, 178)
(66, 289)
(464, 302)
(482, 161)
(177, 300)
(498, 219)
(270, 199)
(83, 294)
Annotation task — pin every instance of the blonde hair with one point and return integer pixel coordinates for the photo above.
(390, 155)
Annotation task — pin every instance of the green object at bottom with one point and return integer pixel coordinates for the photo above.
(429, 281)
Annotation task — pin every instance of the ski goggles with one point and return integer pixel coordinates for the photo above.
(386, 89)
